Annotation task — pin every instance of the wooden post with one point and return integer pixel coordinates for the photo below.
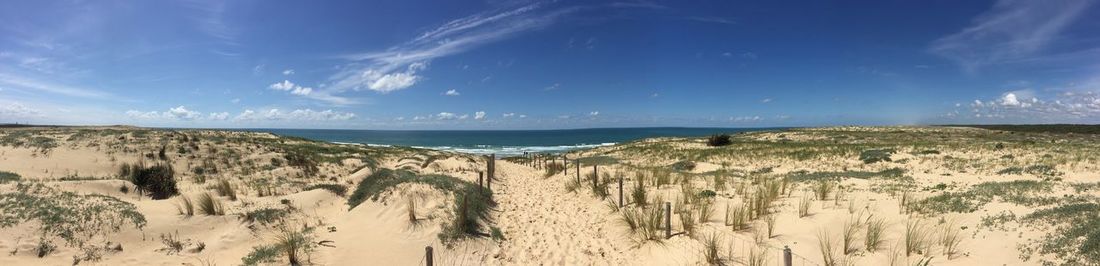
(668, 219)
(428, 256)
(565, 164)
(621, 192)
(595, 177)
(492, 171)
(578, 163)
(481, 180)
(787, 256)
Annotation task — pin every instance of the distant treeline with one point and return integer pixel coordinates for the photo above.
(1048, 128)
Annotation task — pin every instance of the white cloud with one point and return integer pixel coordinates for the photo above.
(235, 100)
(246, 115)
(463, 116)
(398, 67)
(394, 81)
(552, 87)
(522, 116)
(182, 113)
(1012, 30)
(766, 100)
(507, 115)
(288, 72)
(25, 83)
(479, 115)
(445, 116)
(594, 113)
(12, 110)
(451, 92)
(218, 116)
(755, 118)
(1023, 106)
(295, 89)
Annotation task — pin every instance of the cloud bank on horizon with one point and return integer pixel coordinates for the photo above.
(547, 64)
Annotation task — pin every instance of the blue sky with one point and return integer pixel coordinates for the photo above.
(501, 64)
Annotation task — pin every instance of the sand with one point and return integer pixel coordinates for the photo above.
(541, 221)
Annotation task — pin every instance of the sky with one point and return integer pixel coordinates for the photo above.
(507, 64)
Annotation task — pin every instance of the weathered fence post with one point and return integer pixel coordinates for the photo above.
(428, 256)
(565, 164)
(787, 256)
(492, 171)
(595, 177)
(621, 192)
(578, 163)
(668, 219)
(481, 180)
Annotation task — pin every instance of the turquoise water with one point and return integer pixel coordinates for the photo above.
(502, 142)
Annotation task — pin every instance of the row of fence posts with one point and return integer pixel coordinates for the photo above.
(534, 159)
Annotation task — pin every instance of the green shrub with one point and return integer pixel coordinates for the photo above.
(338, 189)
(6, 177)
(877, 155)
(719, 140)
(683, 166)
(264, 216)
(158, 180)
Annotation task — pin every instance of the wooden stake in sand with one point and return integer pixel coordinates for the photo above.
(621, 192)
(481, 180)
(668, 220)
(595, 177)
(428, 256)
(787, 256)
(578, 163)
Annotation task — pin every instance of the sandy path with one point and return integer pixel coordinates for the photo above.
(545, 225)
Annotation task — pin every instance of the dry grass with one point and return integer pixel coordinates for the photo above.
(210, 205)
(823, 188)
(804, 204)
(950, 237)
(828, 250)
(848, 234)
(185, 206)
(225, 189)
(915, 236)
(710, 249)
(873, 240)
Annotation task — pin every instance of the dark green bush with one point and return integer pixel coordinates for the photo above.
(158, 180)
(719, 140)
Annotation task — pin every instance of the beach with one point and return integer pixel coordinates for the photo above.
(900, 195)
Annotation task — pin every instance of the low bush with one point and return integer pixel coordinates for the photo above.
(719, 140)
(6, 177)
(158, 181)
(876, 155)
(338, 189)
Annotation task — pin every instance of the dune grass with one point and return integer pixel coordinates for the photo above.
(185, 206)
(338, 189)
(916, 236)
(265, 216)
(471, 202)
(6, 177)
(874, 238)
(225, 189)
(210, 205)
(827, 246)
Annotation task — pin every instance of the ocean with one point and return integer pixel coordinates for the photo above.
(501, 142)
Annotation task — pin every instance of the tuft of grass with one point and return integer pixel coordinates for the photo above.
(848, 234)
(705, 207)
(828, 250)
(737, 216)
(915, 236)
(157, 180)
(553, 168)
(770, 221)
(873, 240)
(264, 216)
(295, 244)
(950, 238)
(638, 195)
(710, 249)
(224, 189)
(823, 188)
(185, 206)
(804, 204)
(687, 221)
(210, 205)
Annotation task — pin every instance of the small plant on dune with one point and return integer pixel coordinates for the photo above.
(822, 189)
(638, 196)
(264, 254)
(264, 216)
(848, 234)
(950, 237)
(172, 243)
(873, 240)
(770, 221)
(687, 221)
(874, 156)
(915, 236)
(295, 244)
(719, 140)
(210, 205)
(737, 216)
(572, 185)
(6, 177)
(804, 206)
(826, 245)
(185, 206)
(904, 202)
(338, 189)
(157, 180)
(705, 207)
(757, 257)
(225, 189)
(710, 249)
(553, 169)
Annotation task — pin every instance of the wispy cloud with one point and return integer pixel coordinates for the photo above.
(210, 18)
(719, 20)
(1012, 30)
(26, 83)
(451, 92)
(401, 66)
